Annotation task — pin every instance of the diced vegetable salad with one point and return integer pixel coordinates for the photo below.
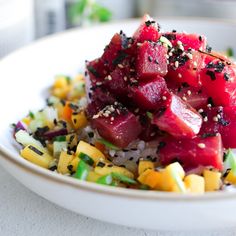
(157, 111)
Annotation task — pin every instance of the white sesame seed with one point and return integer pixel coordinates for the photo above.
(189, 92)
(215, 118)
(195, 63)
(152, 134)
(99, 83)
(179, 42)
(218, 116)
(205, 119)
(120, 66)
(181, 47)
(112, 118)
(139, 44)
(190, 56)
(136, 110)
(170, 54)
(164, 98)
(109, 77)
(200, 110)
(179, 75)
(184, 98)
(209, 105)
(201, 145)
(176, 64)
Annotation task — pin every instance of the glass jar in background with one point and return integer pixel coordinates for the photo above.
(16, 24)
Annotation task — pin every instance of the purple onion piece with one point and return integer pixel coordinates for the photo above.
(49, 135)
(20, 126)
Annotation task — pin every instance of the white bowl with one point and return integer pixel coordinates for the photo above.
(25, 77)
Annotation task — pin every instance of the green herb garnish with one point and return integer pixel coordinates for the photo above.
(87, 159)
(31, 115)
(108, 144)
(149, 114)
(82, 170)
(123, 178)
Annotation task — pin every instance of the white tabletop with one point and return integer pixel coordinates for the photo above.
(24, 213)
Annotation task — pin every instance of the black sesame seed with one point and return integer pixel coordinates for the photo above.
(100, 164)
(211, 74)
(226, 77)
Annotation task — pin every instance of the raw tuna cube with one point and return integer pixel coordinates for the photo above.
(192, 153)
(147, 31)
(114, 53)
(151, 60)
(117, 82)
(96, 71)
(146, 95)
(221, 120)
(119, 128)
(149, 131)
(189, 41)
(219, 81)
(185, 67)
(195, 97)
(177, 118)
(98, 99)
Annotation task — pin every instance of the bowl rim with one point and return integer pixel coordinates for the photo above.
(149, 195)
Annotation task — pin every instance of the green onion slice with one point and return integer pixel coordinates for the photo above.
(82, 170)
(108, 144)
(105, 180)
(123, 178)
(60, 138)
(149, 114)
(87, 159)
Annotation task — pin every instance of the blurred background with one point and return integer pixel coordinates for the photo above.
(22, 21)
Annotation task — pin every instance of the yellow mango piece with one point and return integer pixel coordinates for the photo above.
(109, 168)
(60, 82)
(172, 175)
(79, 120)
(27, 120)
(90, 150)
(144, 165)
(37, 156)
(74, 162)
(212, 180)
(194, 183)
(151, 178)
(64, 161)
(92, 176)
(231, 178)
(142, 177)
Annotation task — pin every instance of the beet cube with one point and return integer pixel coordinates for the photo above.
(120, 128)
(192, 153)
(151, 60)
(147, 95)
(178, 118)
(147, 31)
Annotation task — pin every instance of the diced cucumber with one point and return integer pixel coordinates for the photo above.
(82, 170)
(26, 139)
(58, 147)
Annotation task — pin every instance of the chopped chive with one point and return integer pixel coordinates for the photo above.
(108, 144)
(123, 178)
(87, 159)
(82, 170)
(144, 187)
(60, 138)
(105, 180)
(31, 115)
(149, 114)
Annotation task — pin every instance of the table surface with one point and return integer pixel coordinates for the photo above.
(24, 213)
